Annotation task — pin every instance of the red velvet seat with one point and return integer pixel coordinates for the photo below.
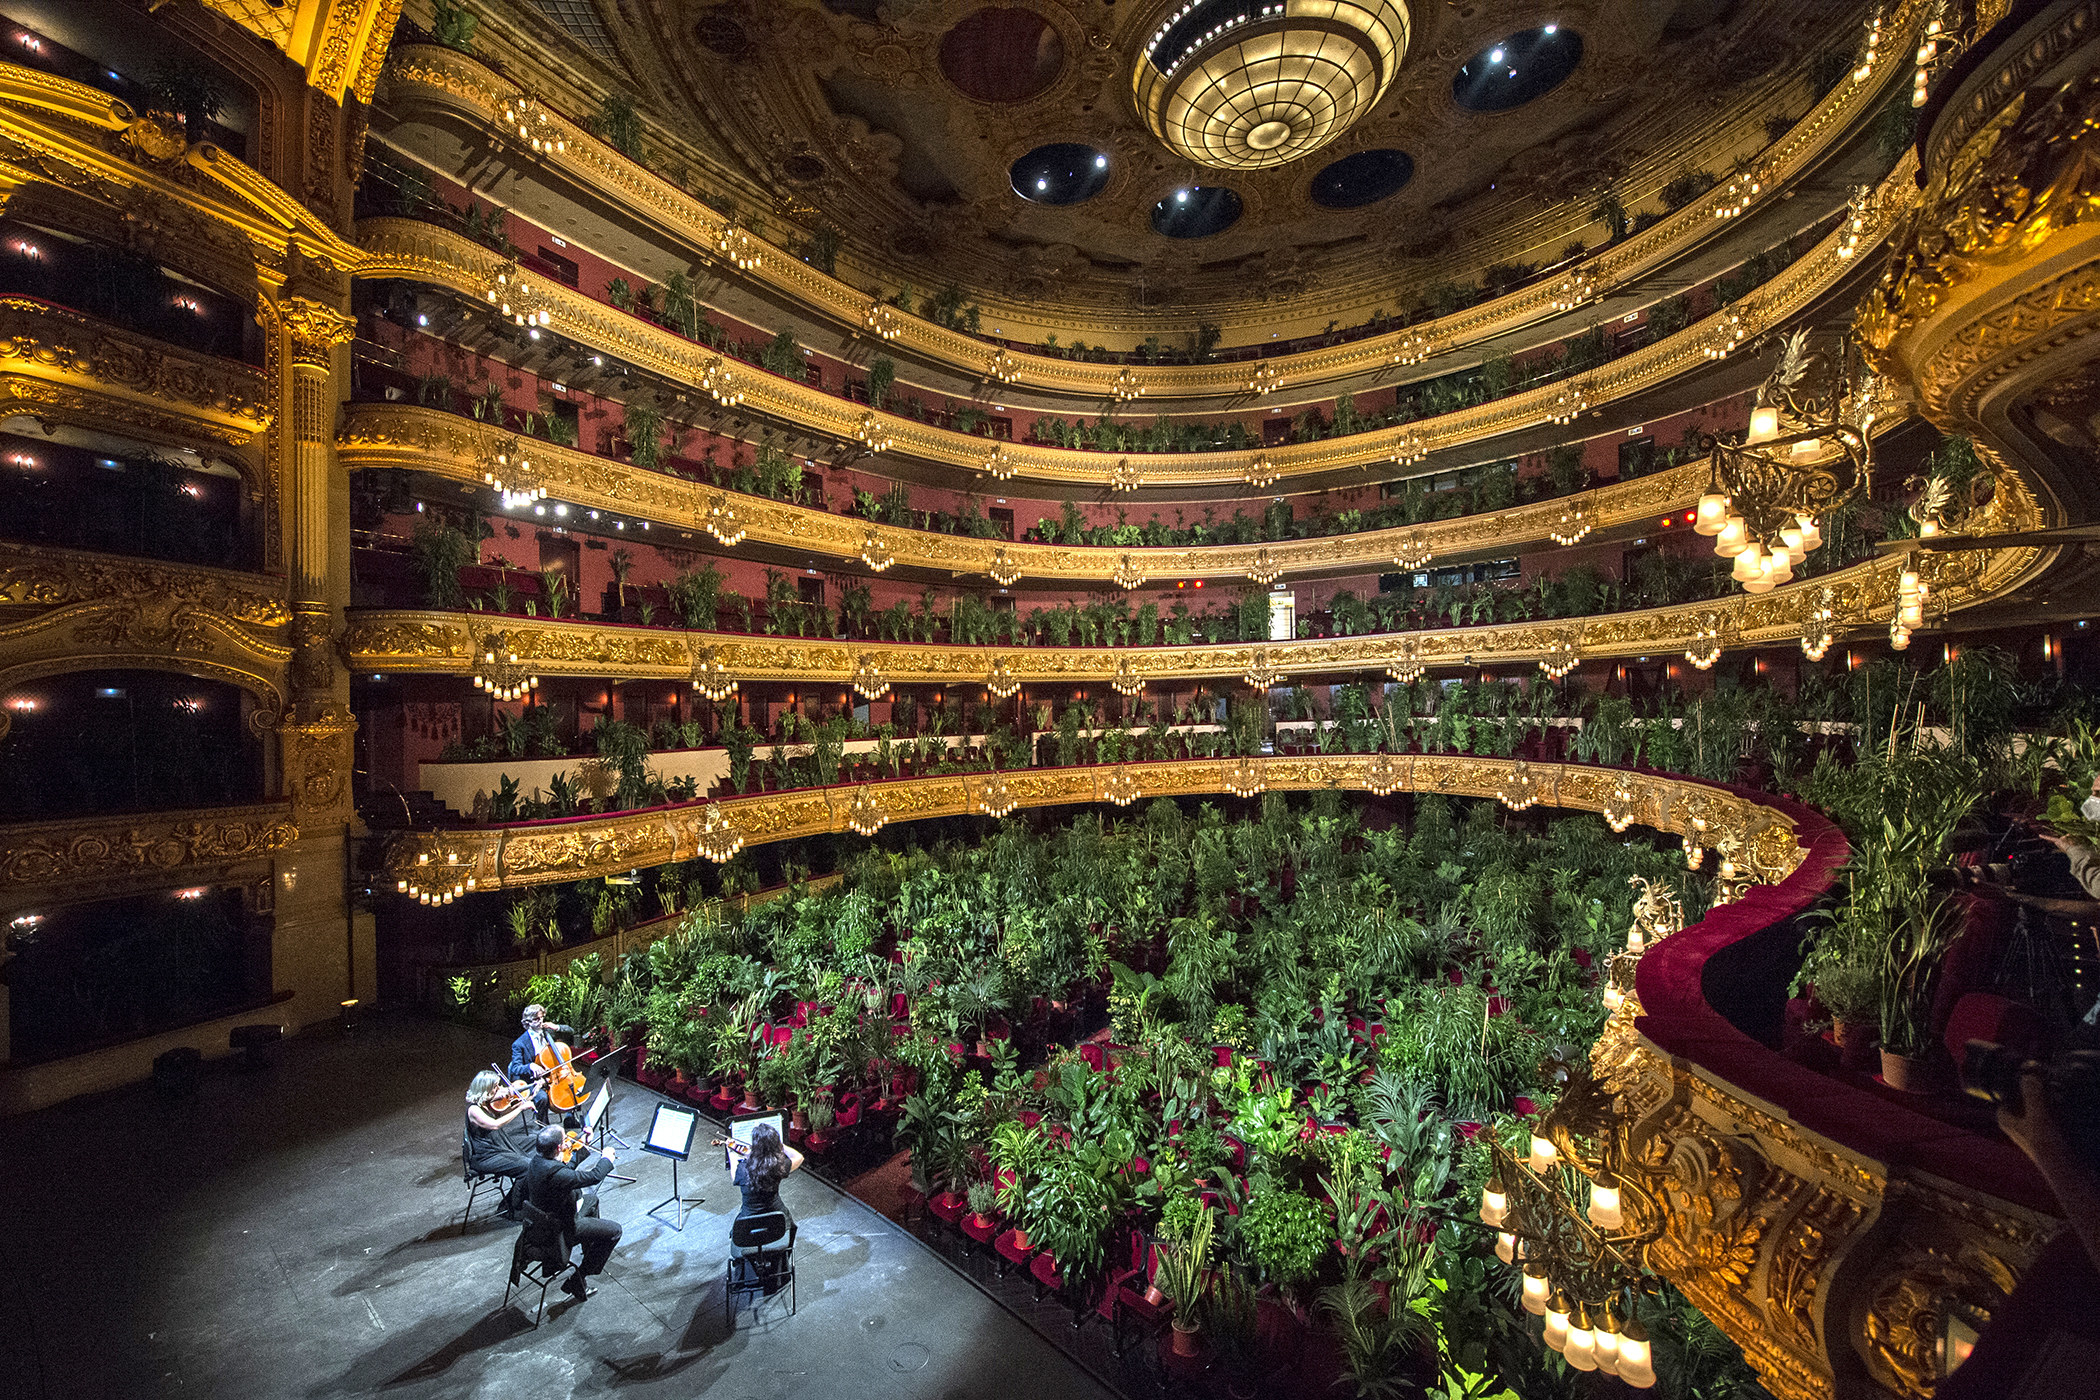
(979, 1229)
(1122, 1302)
(946, 1208)
(1007, 1245)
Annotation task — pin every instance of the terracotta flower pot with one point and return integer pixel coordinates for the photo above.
(1021, 1238)
(751, 1103)
(1913, 1074)
(1856, 1042)
(799, 1121)
(1184, 1338)
(1153, 1297)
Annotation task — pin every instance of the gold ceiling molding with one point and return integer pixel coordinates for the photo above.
(341, 44)
(1993, 281)
(70, 367)
(428, 76)
(412, 249)
(1865, 595)
(401, 437)
(99, 854)
(498, 857)
(56, 131)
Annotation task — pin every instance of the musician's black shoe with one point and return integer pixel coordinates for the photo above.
(577, 1288)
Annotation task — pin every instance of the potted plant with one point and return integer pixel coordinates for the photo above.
(1183, 1273)
(984, 1199)
(1851, 991)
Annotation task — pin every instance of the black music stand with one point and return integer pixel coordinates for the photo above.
(596, 1119)
(671, 1135)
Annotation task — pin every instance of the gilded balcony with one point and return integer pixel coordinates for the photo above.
(99, 856)
(425, 78)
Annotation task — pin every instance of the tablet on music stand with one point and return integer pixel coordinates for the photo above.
(743, 1125)
(671, 1132)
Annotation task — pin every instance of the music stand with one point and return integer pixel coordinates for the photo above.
(671, 1135)
(611, 1071)
(595, 1120)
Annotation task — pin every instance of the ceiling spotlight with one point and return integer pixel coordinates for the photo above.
(1495, 57)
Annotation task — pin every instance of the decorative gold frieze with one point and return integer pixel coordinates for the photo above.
(506, 857)
(406, 438)
(74, 367)
(1864, 595)
(313, 330)
(96, 853)
(412, 249)
(39, 577)
(424, 77)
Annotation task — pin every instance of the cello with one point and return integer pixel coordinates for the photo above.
(566, 1086)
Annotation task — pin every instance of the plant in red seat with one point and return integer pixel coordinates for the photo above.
(1183, 1271)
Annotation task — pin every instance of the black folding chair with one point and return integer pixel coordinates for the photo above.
(753, 1269)
(540, 1257)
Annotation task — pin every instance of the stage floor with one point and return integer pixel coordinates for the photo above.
(295, 1231)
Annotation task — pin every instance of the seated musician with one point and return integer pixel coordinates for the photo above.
(563, 1193)
(526, 1054)
(767, 1162)
(498, 1143)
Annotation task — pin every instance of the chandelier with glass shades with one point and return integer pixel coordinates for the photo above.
(1800, 460)
(500, 673)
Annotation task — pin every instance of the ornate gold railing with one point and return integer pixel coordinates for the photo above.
(577, 848)
(60, 364)
(405, 438)
(413, 249)
(439, 78)
(94, 855)
(1861, 596)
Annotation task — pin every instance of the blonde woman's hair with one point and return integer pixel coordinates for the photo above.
(484, 1087)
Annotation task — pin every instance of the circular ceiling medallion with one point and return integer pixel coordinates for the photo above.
(1363, 178)
(722, 34)
(1248, 84)
(1516, 70)
(1064, 172)
(1002, 55)
(1197, 212)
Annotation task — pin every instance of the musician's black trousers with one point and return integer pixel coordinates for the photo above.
(597, 1236)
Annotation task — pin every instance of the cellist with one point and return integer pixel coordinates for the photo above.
(537, 1048)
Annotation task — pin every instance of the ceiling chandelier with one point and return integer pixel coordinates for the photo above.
(500, 673)
(872, 434)
(868, 680)
(514, 298)
(1575, 524)
(1125, 387)
(881, 321)
(1763, 497)
(1622, 806)
(720, 520)
(1265, 380)
(999, 462)
(1911, 593)
(1747, 185)
(1819, 629)
(1406, 665)
(1002, 682)
(1563, 655)
(525, 118)
(866, 814)
(1264, 569)
(435, 882)
(1569, 404)
(1410, 447)
(1125, 476)
(717, 836)
(1384, 775)
(1126, 680)
(1576, 289)
(1121, 787)
(1243, 778)
(723, 383)
(710, 678)
(1128, 574)
(1248, 84)
(995, 798)
(507, 469)
(737, 248)
(1004, 568)
(874, 553)
(1414, 347)
(1728, 331)
(1861, 203)
(1259, 673)
(1705, 647)
(1260, 473)
(1413, 553)
(1002, 366)
(1519, 789)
